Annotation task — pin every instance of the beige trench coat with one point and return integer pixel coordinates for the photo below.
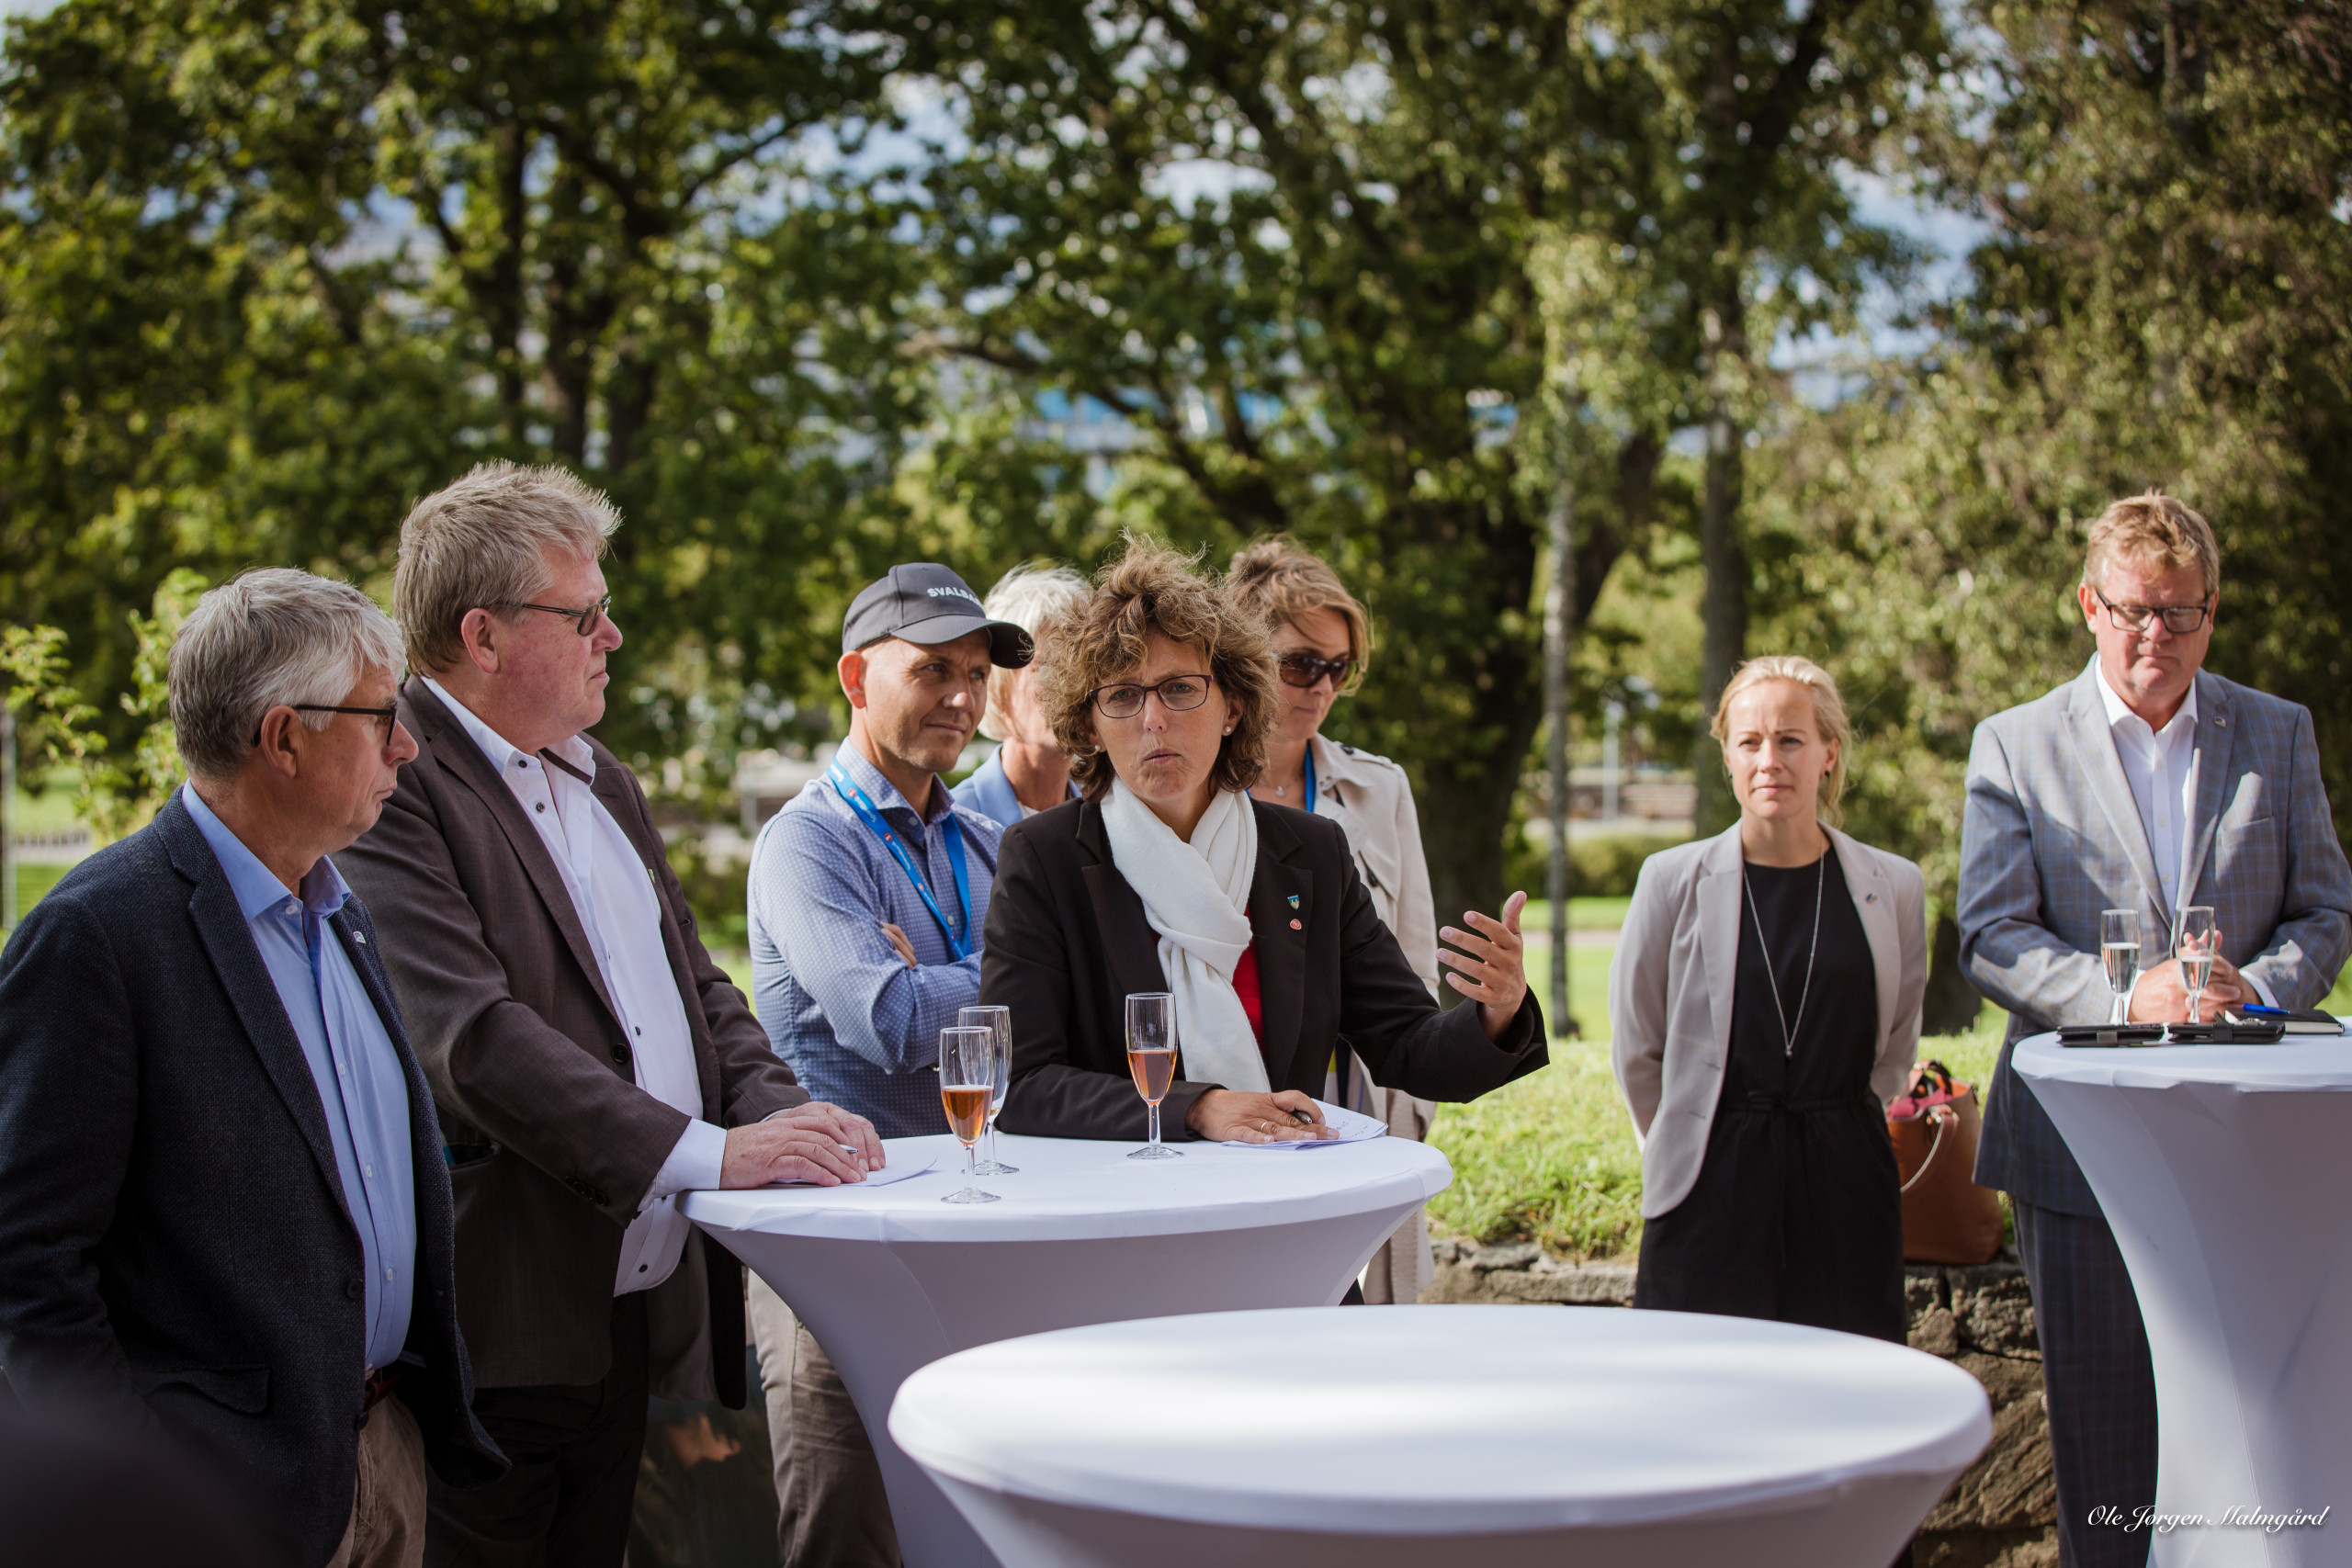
(1371, 799)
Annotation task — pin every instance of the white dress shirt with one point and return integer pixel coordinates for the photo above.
(612, 891)
(2161, 767)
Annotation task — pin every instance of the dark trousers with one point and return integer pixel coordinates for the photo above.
(574, 1449)
(2097, 1383)
(835, 1511)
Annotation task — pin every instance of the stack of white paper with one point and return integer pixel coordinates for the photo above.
(1348, 1125)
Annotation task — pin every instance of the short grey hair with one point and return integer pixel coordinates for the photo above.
(485, 541)
(1031, 597)
(269, 636)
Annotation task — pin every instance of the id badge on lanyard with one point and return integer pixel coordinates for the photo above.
(866, 812)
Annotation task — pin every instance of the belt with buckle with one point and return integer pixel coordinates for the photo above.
(379, 1388)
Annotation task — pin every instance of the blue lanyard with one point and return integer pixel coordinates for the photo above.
(1310, 777)
(855, 797)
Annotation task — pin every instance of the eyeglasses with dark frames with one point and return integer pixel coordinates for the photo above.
(385, 716)
(589, 617)
(1306, 669)
(1178, 693)
(2180, 619)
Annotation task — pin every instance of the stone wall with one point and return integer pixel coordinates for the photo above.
(2002, 1513)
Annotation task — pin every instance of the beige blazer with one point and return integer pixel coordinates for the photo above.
(1372, 799)
(1670, 992)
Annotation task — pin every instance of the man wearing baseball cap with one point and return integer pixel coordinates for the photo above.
(867, 896)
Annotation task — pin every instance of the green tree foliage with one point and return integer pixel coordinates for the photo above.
(1291, 248)
(2162, 302)
(269, 272)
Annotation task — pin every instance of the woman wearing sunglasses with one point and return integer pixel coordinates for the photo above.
(1322, 638)
(1167, 877)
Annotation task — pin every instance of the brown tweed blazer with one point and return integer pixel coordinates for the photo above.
(552, 1145)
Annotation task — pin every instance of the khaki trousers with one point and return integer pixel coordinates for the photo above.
(387, 1528)
(832, 1510)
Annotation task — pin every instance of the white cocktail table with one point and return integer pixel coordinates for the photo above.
(1503, 1436)
(891, 1278)
(2222, 1171)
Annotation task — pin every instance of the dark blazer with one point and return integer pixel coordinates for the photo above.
(174, 1241)
(1067, 943)
(553, 1146)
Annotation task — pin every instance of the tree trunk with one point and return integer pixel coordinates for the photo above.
(1559, 612)
(1724, 608)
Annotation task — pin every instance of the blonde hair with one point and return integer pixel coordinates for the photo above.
(2157, 530)
(1033, 598)
(1828, 712)
(483, 542)
(1284, 582)
(1153, 588)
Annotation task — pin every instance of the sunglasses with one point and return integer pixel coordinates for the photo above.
(1306, 669)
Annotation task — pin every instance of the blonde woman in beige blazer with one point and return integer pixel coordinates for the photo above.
(1764, 1007)
(1322, 636)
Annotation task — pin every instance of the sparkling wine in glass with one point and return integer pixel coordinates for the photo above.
(1151, 1059)
(967, 1084)
(2194, 944)
(2119, 945)
(998, 1020)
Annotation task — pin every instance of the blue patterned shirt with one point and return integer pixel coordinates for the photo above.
(859, 1028)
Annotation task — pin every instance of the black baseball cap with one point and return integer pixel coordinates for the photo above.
(925, 603)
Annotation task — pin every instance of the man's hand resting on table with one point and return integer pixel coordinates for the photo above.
(804, 1143)
(1232, 1115)
(2160, 998)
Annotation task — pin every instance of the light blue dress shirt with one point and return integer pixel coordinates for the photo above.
(858, 1027)
(360, 1084)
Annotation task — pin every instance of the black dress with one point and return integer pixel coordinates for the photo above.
(1797, 1215)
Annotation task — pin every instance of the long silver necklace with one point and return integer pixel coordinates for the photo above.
(1788, 1029)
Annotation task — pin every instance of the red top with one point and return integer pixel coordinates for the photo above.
(1245, 985)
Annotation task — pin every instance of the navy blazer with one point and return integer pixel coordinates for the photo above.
(174, 1241)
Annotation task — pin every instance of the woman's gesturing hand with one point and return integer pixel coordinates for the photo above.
(1232, 1115)
(1492, 969)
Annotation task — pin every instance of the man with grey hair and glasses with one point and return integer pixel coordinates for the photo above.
(223, 1213)
(589, 1060)
(2146, 783)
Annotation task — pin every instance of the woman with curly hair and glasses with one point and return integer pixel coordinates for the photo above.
(1166, 876)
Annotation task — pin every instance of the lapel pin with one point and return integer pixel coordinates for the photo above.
(360, 937)
(1293, 900)
(1296, 926)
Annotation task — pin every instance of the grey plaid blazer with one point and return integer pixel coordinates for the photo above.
(2051, 837)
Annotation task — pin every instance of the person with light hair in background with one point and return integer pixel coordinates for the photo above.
(2146, 783)
(1763, 1008)
(1029, 771)
(224, 1222)
(1322, 642)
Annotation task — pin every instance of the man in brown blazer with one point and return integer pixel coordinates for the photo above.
(588, 1060)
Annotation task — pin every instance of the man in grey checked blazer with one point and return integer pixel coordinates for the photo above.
(2145, 783)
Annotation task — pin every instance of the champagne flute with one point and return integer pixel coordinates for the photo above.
(2119, 945)
(1000, 1020)
(1151, 1059)
(2193, 943)
(966, 1083)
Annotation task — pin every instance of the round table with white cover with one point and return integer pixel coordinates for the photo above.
(889, 1279)
(2222, 1171)
(1504, 1437)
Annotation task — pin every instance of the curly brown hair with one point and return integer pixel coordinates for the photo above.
(1283, 580)
(1153, 588)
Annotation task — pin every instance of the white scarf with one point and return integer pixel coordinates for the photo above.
(1194, 894)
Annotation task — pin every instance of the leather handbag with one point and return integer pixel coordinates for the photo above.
(1946, 1218)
